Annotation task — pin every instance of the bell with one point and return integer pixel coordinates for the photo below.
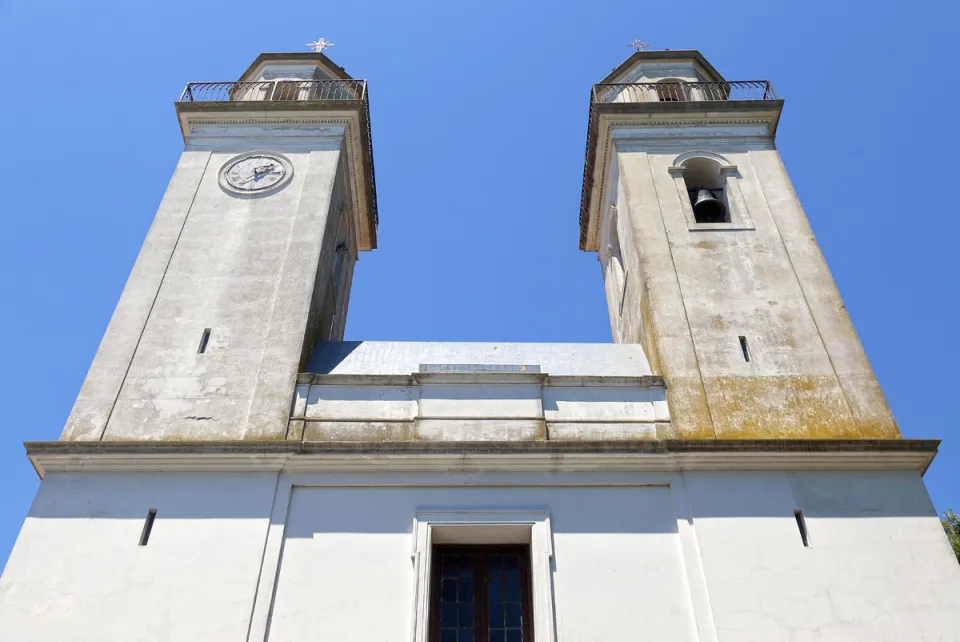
(709, 209)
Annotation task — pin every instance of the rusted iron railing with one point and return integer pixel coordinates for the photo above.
(274, 90)
(682, 91)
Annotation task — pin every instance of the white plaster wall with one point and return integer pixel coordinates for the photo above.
(77, 572)
(715, 557)
(878, 566)
(443, 400)
(368, 402)
(346, 572)
(565, 403)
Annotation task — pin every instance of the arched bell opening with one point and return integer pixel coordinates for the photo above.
(671, 90)
(706, 188)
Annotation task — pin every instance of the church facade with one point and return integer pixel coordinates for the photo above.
(727, 470)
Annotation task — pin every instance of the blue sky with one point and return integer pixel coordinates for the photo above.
(479, 114)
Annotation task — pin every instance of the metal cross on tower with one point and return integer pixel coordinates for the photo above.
(320, 45)
(639, 45)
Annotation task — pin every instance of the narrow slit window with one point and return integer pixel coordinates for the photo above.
(204, 340)
(744, 348)
(147, 526)
(802, 526)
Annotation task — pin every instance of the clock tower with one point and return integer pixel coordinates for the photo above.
(248, 262)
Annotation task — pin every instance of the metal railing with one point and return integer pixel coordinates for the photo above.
(274, 90)
(683, 91)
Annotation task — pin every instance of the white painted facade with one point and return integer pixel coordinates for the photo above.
(691, 555)
(280, 485)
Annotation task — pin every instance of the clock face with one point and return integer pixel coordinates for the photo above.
(255, 173)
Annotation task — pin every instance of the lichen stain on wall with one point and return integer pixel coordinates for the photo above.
(649, 334)
(786, 407)
(690, 415)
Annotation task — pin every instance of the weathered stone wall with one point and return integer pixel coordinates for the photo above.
(478, 407)
(243, 267)
(702, 289)
(328, 309)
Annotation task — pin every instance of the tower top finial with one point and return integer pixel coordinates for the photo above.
(320, 45)
(639, 45)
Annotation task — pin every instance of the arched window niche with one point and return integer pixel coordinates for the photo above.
(614, 274)
(712, 181)
(613, 259)
(671, 90)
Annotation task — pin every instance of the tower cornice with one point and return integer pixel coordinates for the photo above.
(222, 122)
(663, 121)
(299, 57)
(659, 56)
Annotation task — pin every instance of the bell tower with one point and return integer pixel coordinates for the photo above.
(248, 261)
(709, 261)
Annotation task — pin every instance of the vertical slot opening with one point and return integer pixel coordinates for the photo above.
(802, 526)
(204, 339)
(744, 349)
(147, 526)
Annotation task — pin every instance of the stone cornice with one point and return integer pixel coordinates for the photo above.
(261, 123)
(480, 378)
(767, 110)
(545, 379)
(519, 456)
(656, 119)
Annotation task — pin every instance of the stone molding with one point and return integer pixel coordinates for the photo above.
(643, 126)
(547, 380)
(670, 455)
(679, 161)
(431, 522)
(740, 219)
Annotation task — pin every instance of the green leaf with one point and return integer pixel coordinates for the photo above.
(951, 524)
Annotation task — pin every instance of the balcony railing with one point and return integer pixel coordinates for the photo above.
(683, 92)
(274, 90)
